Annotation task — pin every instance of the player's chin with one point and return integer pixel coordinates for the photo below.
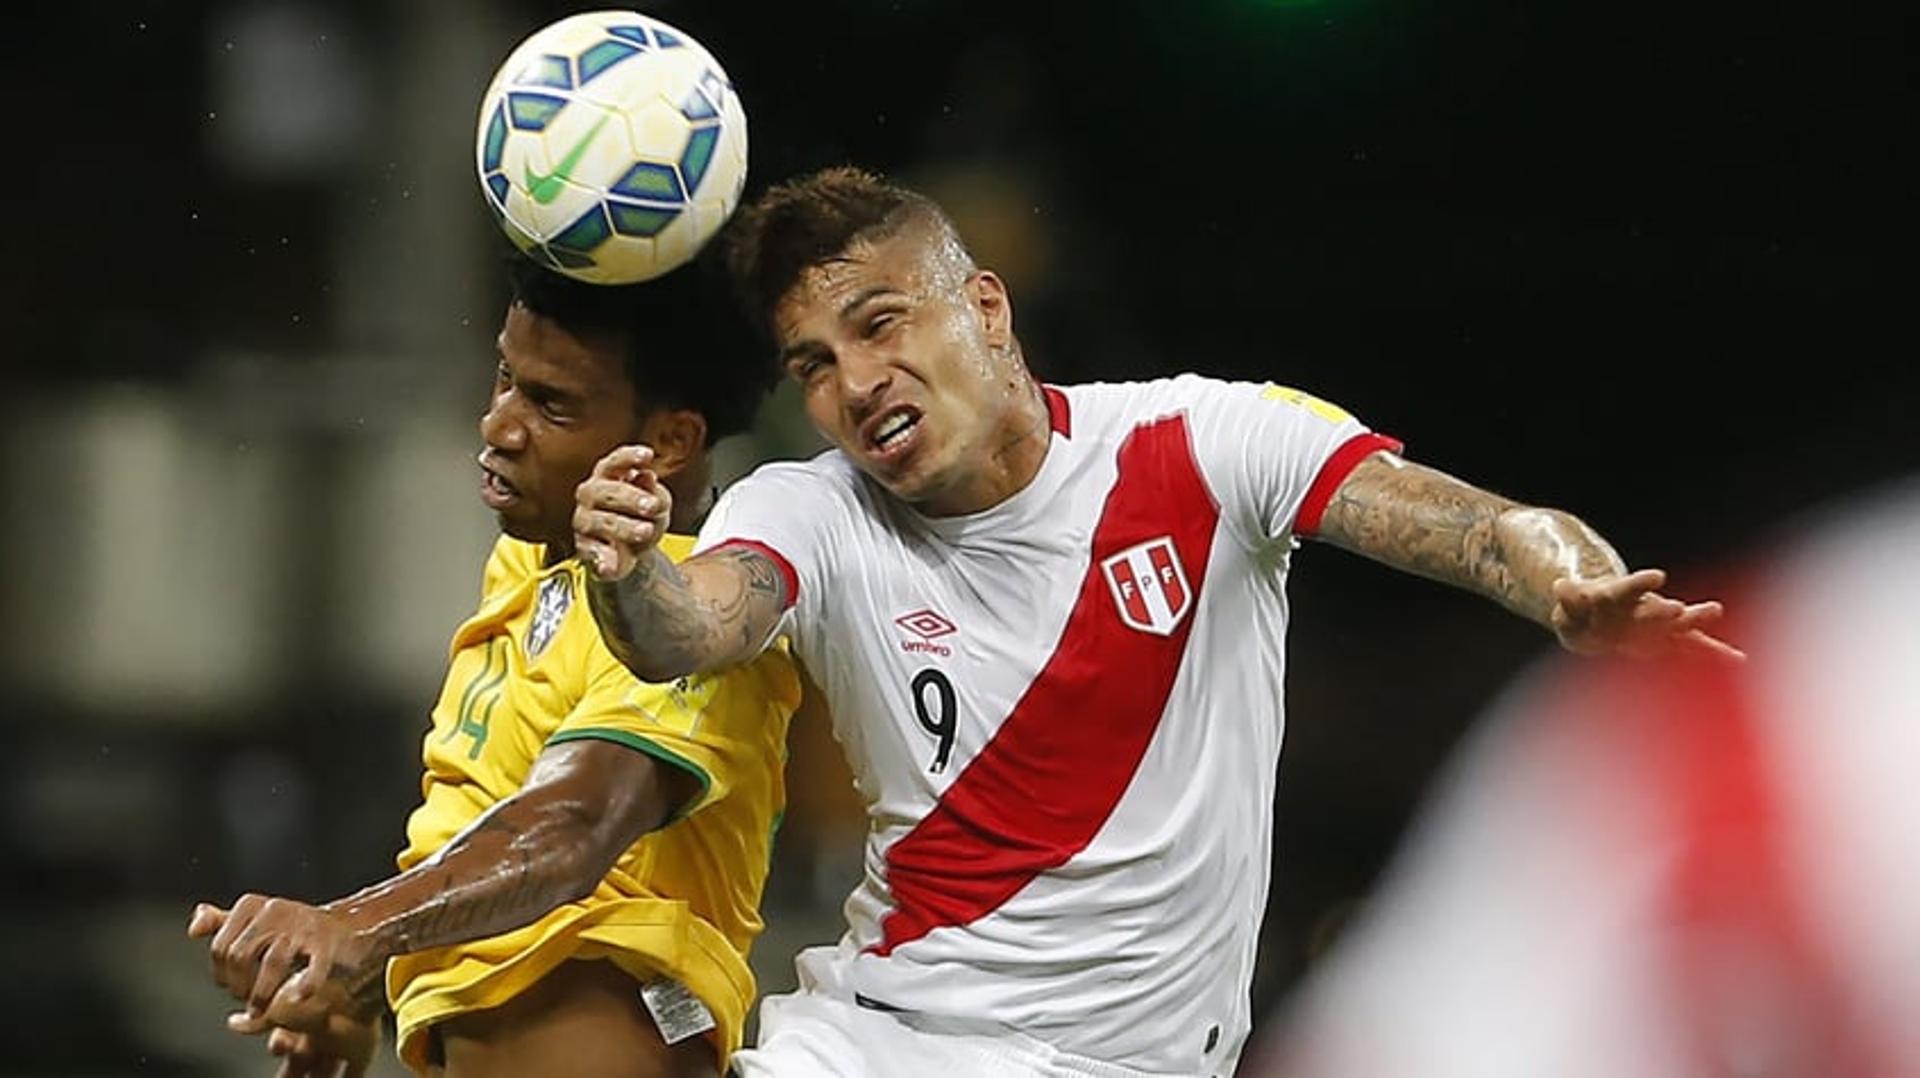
(911, 477)
(528, 527)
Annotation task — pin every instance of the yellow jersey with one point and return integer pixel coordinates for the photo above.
(528, 670)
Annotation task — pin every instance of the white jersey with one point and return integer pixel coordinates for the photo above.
(1064, 712)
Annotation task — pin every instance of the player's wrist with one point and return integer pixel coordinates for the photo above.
(369, 938)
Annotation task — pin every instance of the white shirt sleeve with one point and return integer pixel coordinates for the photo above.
(783, 510)
(1272, 455)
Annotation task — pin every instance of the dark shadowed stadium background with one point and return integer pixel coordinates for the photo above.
(1638, 261)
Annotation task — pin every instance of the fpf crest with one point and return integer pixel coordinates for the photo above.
(1149, 586)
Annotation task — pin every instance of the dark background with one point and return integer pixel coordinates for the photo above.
(1641, 262)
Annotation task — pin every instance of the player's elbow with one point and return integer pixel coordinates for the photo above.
(571, 848)
(579, 886)
(593, 800)
(599, 834)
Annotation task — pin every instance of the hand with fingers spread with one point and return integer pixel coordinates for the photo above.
(1627, 615)
(621, 511)
(305, 961)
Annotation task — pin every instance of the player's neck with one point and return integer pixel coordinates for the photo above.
(1016, 452)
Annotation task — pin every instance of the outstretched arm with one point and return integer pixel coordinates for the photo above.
(1543, 564)
(583, 804)
(663, 620)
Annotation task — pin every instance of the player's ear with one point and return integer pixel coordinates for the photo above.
(994, 306)
(676, 436)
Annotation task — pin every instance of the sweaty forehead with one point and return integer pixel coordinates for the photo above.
(897, 263)
(836, 280)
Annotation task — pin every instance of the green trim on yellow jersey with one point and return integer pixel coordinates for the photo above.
(658, 752)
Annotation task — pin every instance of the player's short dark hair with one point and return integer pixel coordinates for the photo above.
(681, 338)
(809, 219)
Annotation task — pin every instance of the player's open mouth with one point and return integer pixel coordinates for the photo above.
(891, 433)
(496, 491)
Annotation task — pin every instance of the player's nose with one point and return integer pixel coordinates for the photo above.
(864, 381)
(500, 428)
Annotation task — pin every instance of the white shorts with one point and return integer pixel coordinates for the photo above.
(820, 1032)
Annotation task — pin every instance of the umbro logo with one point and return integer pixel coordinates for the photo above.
(928, 626)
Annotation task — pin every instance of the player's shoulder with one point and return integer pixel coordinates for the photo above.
(1210, 401)
(822, 484)
(828, 468)
(805, 509)
(1123, 405)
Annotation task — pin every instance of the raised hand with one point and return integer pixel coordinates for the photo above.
(621, 512)
(1627, 615)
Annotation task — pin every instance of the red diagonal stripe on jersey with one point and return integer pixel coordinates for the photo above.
(1047, 781)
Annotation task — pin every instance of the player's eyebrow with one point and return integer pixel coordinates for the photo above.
(854, 304)
(810, 345)
(537, 389)
(548, 391)
(800, 348)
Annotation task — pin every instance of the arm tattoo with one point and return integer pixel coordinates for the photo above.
(665, 620)
(367, 998)
(762, 577)
(1427, 522)
(520, 860)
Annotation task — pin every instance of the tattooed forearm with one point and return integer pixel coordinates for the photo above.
(1540, 546)
(1424, 521)
(664, 620)
(515, 864)
(367, 995)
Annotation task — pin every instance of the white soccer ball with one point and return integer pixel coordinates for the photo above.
(611, 146)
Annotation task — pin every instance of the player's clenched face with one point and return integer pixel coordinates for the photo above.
(559, 404)
(906, 358)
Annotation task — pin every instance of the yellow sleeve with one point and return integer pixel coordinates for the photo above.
(670, 722)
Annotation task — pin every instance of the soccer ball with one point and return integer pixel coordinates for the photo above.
(611, 146)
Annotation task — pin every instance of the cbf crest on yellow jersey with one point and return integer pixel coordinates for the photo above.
(528, 670)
